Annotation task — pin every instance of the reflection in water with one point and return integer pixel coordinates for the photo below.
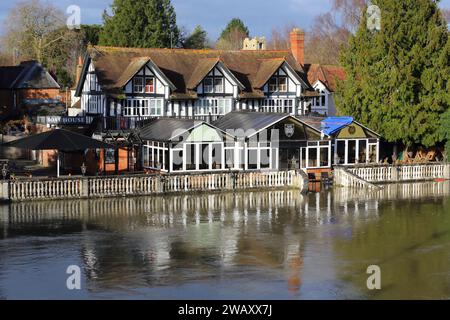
(277, 244)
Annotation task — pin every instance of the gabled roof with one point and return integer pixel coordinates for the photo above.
(205, 67)
(254, 122)
(185, 67)
(29, 74)
(164, 129)
(266, 70)
(245, 120)
(168, 129)
(327, 74)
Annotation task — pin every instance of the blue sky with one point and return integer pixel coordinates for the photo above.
(261, 16)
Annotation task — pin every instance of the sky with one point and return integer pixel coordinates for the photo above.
(261, 16)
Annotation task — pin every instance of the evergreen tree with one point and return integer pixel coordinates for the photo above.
(234, 24)
(233, 35)
(398, 78)
(197, 39)
(445, 132)
(141, 24)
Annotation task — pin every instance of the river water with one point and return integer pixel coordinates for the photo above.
(257, 245)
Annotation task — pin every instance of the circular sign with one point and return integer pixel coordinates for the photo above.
(352, 129)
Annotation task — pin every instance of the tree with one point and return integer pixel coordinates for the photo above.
(233, 35)
(32, 28)
(445, 132)
(91, 33)
(397, 78)
(197, 39)
(36, 30)
(141, 24)
(280, 38)
(330, 31)
(446, 14)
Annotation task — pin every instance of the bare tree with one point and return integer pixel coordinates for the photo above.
(279, 39)
(325, 40)
(446, 12)
(330, 31)
(350, 11)
(34, 28)
(37, 30)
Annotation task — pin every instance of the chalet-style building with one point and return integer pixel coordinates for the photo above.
(324, 79)
(25, 86)
(125, 85)
(209, 110)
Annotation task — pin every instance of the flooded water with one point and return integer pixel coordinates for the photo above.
(261, 245)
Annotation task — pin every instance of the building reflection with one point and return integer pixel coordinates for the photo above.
(157, 241)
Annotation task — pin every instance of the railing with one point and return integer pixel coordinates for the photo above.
(402, 173)
(98, 187)
(345, 178)
(366, 176)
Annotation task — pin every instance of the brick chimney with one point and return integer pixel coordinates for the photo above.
(297, 37)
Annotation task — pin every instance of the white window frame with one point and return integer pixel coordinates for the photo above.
(357, 160)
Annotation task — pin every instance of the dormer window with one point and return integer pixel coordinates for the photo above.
(213, 85)
(278, 84)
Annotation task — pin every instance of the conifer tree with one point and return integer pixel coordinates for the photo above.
(141, 24)
(398, 78)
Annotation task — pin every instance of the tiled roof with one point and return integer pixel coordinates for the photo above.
(327, 74)
(184, 67)
(29, 74)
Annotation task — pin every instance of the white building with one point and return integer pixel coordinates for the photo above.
(125, 85)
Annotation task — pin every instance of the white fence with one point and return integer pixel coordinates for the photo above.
(98, 187)
(368, 175)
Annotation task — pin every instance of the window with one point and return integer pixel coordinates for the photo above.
(204, 161)
(278, 105)
(156, 155)
(205, 107)
(110, 156)
(278, 84)
(273, 85)
(218, 85)
(229, 158)
(138, 84)
(191, 157)
(149, 85)
(264, 158)
(208, 86)
(156, 106)
(216, 156)
(282, 84)
(177, 160)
